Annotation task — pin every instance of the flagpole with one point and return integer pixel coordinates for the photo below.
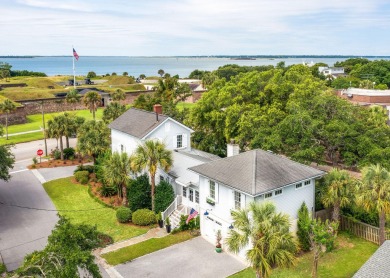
(74, 71)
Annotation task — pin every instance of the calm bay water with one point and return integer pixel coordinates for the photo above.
(149, 66)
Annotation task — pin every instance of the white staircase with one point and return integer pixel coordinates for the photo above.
(175, 216)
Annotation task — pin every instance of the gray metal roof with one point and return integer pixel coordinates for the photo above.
(256, 172)
(137, 122)
(378, 265)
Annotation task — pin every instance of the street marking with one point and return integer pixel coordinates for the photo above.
(38, 176)
(113, 273)
(14, 172)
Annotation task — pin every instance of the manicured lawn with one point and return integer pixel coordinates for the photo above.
(351, 253)
(68, 196)
(148, 246)
(21, 138)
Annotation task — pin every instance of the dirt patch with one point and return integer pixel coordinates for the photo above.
(58, 163)
(343, 242)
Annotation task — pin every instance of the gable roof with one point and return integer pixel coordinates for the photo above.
(140, 123)
(256, 172)
(378, 265)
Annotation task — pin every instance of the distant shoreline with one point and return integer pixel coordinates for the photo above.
(241, 57)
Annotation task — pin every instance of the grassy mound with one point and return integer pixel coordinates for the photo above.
(119, 80)
(42, 83)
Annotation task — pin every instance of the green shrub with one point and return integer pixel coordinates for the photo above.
(82, 177)
(138, 193)
(91, 74)
(89, 168)
(164, 196)
(68, 152)
(303, 227)
(107, 191)
(2, 268)
(35, 160)
(193, 224)
(123, 214)
(144, 217)
(100, 161)
(56, 154)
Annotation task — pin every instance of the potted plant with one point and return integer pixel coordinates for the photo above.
(210, 201)
(168, 225)
(218, 246)
(159, 220)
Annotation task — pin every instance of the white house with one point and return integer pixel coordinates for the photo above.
(212, 185)
(233, 182)
(333, 71)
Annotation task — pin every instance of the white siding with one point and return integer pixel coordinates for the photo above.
(168, 131)
(119, 138)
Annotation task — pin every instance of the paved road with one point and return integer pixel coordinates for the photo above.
(23, 230)
(193, 258)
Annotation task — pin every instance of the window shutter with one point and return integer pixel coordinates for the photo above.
(243, 204)
(185, 140)
(174, 142)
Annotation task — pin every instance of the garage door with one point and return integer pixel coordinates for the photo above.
(211, 227)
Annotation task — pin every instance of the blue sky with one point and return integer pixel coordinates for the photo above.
(195, 27)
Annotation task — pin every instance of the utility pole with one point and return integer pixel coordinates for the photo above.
(44, 128)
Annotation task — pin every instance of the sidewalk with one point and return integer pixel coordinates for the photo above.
(110, 270)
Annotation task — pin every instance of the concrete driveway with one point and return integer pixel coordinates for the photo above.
(23, 230)
(193, 258)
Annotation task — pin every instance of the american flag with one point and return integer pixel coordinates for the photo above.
(75, 54)
(193, 214)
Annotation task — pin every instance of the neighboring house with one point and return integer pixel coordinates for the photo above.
(212, 185)
(378, 265)
(233, 182)
(333, 71)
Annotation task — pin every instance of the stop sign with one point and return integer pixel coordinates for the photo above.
(39, 152)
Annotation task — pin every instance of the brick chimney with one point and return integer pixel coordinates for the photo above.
(157, 108)
(232, 148)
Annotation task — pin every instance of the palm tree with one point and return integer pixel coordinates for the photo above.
(150, 155)
(116, 171)
(161, 72)
(7, 107)
(92, 100)
(374, 194)
(73, 97)
(113, 111)
(267, 232)
(70, 126)
(118, 95)
(56, 128)
(337, 192)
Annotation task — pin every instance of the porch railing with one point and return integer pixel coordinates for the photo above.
(172, 207)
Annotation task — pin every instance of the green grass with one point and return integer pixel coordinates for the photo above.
(182, 105)
(21, 138)
(68, 196)
(146, 247)
(351, 253)
(2, 268)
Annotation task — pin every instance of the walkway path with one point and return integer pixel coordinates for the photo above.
(110, 270)
(24, 132)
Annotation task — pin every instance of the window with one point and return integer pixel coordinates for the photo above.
(191, 195)
(122, 148)
(267, 195)
(278, 192)
(307, 182)
(184, 192)
(298, 185)
(197, 197)
(179, 141)
(212, 189)
(237, 200)
(161, 178)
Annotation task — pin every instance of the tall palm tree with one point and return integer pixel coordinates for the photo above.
(149, 156)
(92, 100)
(116, 171)
(374, 194)
(267, 232)
(118, 95)
(70, 126)
(7, 107)
(56, 128)
(113, 111)
(337, 192)
(73, 97)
